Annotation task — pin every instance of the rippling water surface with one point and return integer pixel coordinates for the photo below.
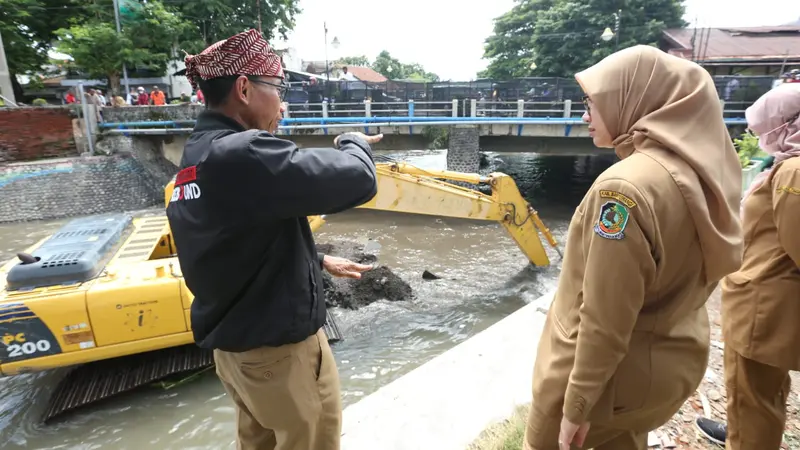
(484, 278)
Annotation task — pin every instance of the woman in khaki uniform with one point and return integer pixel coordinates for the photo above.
(626, 338)
(761, 302)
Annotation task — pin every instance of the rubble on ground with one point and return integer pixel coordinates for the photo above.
(379, 283)
(709, 400)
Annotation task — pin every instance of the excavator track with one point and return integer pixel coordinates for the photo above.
(93, 382)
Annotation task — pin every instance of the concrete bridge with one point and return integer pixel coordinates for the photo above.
(519, 118)
(469, 125)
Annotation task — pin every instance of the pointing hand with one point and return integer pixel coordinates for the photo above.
(343, 268)
(370, 139)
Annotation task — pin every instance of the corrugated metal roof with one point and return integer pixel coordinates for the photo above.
(757, 43)
(366, 74)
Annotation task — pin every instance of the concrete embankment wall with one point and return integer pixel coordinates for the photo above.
(76, 186)
(446, 403)
(34, 185)
(45, 173)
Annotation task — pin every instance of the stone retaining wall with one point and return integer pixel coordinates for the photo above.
(28, 134)
(152, 113)
(131, 180)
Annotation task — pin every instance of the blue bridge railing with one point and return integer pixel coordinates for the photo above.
(406, 114)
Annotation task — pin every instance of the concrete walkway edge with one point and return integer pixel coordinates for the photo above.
(447, 402)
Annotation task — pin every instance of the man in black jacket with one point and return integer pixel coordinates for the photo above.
(238, 214)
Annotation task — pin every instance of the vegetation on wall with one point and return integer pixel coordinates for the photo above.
(747, 148)
(438, 137)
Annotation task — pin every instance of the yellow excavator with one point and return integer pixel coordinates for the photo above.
(105, 293)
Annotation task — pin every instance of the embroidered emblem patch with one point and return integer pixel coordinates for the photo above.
(612, 221)
(622, 198)
(788, 190)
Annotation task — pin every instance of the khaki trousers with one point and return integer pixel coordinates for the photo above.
(287, 398)
(757, 396)
(600, 437)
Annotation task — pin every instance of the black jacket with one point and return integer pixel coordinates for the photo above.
(238, 216)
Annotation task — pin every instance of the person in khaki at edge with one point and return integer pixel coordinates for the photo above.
(247, 252)
(626, 338)
(761, 301)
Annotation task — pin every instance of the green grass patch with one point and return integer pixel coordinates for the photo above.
(506, 435)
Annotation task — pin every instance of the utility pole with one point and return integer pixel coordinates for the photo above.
(119, 31)
(258, 7)
(6, 88)
(327, 68)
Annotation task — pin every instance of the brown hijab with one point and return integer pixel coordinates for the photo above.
(668, 108)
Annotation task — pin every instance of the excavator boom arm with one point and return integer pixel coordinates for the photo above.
(408, 189)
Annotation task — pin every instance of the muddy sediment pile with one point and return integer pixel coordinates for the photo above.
(379, 283)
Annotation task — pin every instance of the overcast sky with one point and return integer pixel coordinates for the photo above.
(446, 36)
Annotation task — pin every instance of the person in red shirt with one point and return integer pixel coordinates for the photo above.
(69, 98)
(143, 99)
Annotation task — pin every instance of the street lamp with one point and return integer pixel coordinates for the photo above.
(335, 43)
(608, 34)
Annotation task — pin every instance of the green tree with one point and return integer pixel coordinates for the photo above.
(510, 47)
(148, 43)
(392, 68)
(28, 28)
(388, 66)
(97, 51)
(215, 20)
(417, 72)
(354, 61)
(562, 37)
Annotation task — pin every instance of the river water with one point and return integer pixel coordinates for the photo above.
(485, 278)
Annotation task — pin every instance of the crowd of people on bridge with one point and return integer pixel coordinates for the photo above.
(627, 337)
(136, 97)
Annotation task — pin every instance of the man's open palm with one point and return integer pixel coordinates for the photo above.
(344, 268)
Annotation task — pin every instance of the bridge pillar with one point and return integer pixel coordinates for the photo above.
(462, 149)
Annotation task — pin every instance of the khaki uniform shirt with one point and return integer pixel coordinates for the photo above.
(761, 302)
(627, 335)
